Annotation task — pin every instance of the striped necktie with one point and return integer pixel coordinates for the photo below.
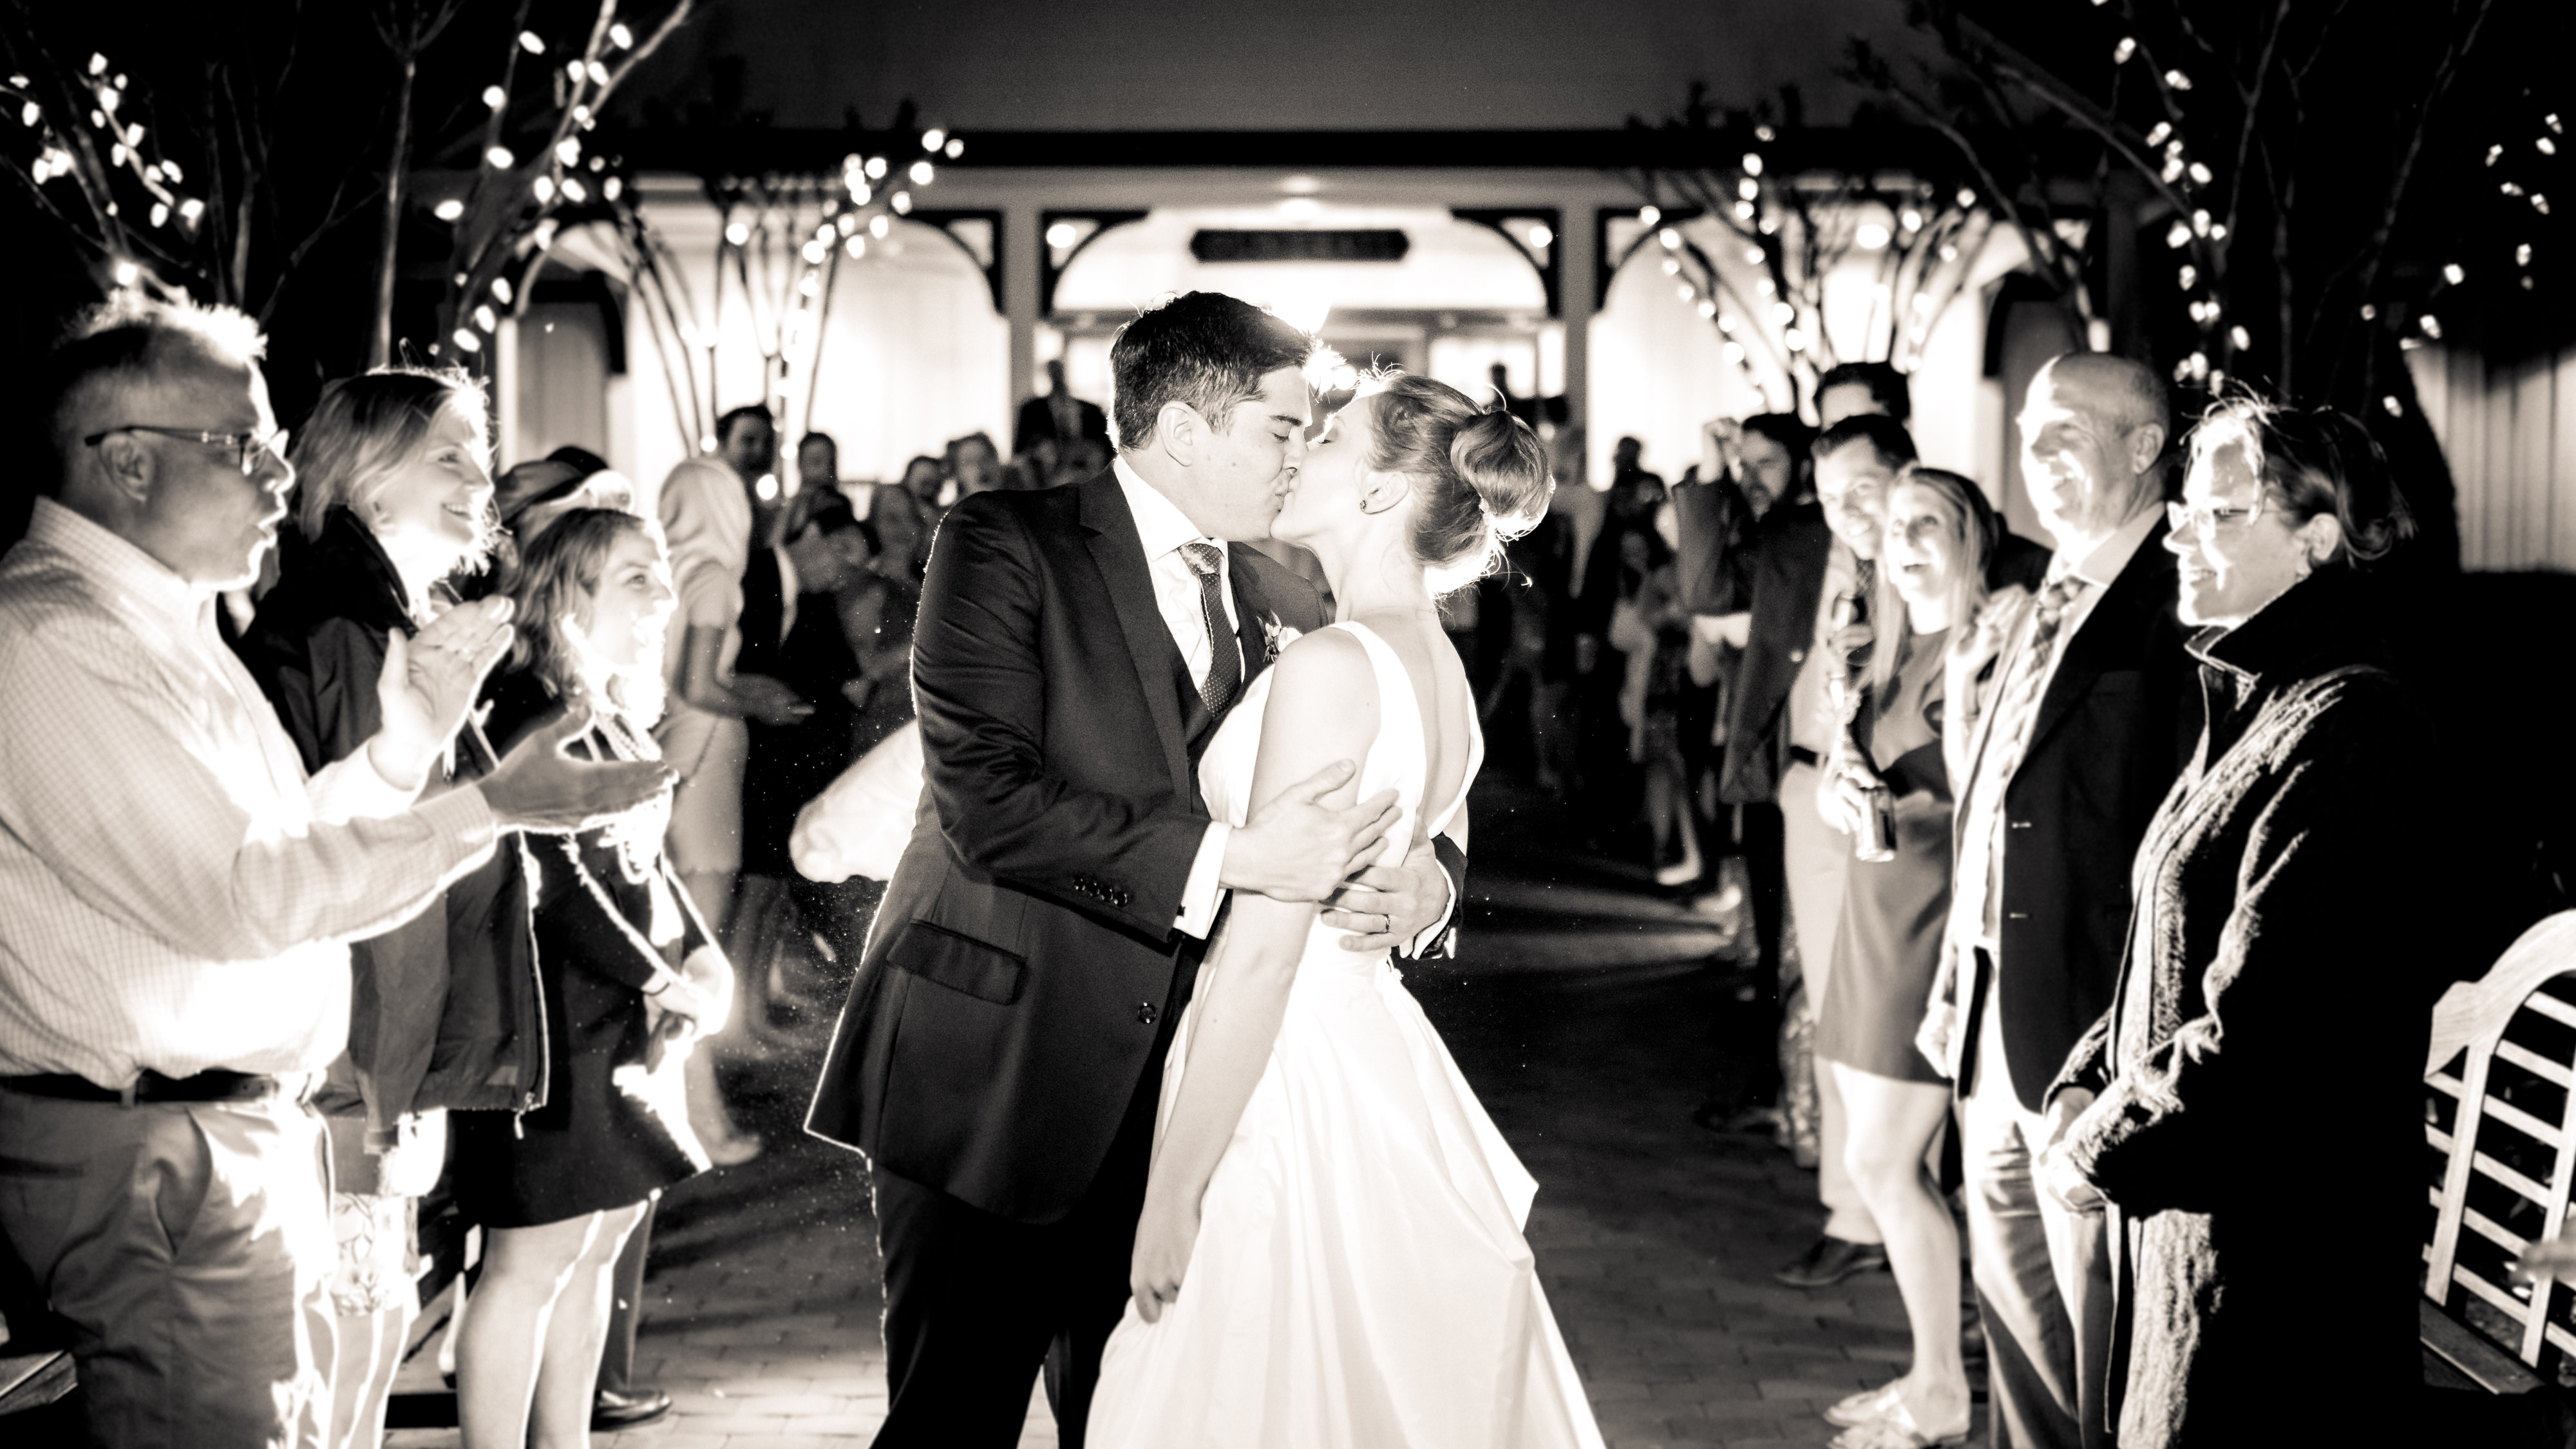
(2016, 712)
(1225, 662)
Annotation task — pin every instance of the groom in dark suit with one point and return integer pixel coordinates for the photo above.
(1001, 1054)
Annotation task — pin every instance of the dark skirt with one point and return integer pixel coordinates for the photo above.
(593, 1146)
(1889, 945)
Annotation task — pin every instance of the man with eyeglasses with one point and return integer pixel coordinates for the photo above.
(176, 894)
(2074, 736)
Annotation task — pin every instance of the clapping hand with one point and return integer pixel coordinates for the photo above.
(539, 786)
(429, 682)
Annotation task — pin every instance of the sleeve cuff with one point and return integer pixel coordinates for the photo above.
(463, 819)
(353, 788)
(1200, 897)
(1427, 945)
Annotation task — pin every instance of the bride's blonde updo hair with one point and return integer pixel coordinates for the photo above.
(1479, 475)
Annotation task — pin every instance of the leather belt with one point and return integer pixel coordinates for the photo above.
(213, 1085)
(1801, 755)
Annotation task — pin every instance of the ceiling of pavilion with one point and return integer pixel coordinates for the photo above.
(1448, 264)
(1131, 65)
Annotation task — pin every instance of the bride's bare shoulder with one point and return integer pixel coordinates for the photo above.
(1323, 704)
(1323, 657)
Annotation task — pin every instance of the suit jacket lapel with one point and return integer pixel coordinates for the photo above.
(2145, 584)
(1252, 608)
(1119, 552)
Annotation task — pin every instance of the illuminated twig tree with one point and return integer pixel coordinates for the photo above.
(2326, 181)
(511, 211)
(1788, 222)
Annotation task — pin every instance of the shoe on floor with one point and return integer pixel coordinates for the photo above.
(615, 1410)
(1830, 1261)
(1896, 1429)
(1862, 1407)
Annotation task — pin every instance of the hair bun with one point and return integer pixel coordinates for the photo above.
(1498, 456)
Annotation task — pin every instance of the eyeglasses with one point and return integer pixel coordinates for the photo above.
(249, 449)
(2205, 519)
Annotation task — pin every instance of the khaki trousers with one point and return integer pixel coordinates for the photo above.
(1818, 859)
(2043, 1273)
(189, 1246)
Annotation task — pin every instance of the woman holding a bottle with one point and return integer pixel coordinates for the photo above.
(1886, 784)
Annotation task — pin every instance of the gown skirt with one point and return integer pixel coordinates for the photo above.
(1359, 1277)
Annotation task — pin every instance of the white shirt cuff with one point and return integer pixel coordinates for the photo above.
(1421, 946)
(352, 788)
(1200, 897)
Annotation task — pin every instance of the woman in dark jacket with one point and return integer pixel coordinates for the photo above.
(392, 497)
(2251, 1108)
(632, 977)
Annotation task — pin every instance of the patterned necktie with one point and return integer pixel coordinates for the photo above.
(1225, 664)
(2015, 709)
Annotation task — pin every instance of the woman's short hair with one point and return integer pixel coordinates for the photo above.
(557, 578)
(1974, 532)
(1479, 475)
(366, 428)
(2317, 461)
(1205, 349)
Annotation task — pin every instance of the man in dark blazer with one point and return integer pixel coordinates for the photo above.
(791, 631)
(1001, 1054)
(1057, 416)
(2089, 714)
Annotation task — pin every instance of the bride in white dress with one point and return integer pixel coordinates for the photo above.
(1330, 1252)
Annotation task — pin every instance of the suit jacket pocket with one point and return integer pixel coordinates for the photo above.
(960, 963)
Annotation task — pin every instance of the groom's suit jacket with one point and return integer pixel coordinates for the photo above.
(1024, 968)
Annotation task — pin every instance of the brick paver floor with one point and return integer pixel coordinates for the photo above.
(1581, 1014)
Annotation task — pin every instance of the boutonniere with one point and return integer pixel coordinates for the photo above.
(1276, 636)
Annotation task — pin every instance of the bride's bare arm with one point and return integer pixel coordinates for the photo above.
(1323, 707)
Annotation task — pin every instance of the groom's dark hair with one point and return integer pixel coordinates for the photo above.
(1202, 348)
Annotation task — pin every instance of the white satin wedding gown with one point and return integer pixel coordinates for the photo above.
(1359, 1277)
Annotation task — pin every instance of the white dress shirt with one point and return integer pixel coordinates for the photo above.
(1164, 528)
(175, 894)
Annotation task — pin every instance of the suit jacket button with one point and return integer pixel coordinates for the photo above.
(1797, 656)
(1145, 1013)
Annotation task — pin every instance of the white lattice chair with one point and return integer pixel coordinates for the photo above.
(2501, 1123)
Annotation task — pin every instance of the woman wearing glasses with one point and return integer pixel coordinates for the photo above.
(391, 498)
(2251, 1106)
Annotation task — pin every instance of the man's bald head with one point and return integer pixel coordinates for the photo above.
(2120, 388)
(2092, 427)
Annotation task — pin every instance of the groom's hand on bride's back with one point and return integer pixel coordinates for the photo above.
(1303, 844)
